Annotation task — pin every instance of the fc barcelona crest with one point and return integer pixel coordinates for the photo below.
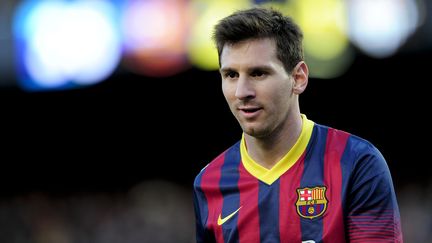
(311, 202)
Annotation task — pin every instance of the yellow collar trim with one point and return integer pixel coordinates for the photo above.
(268, 176)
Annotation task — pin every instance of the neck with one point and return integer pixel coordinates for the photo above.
(269, 150)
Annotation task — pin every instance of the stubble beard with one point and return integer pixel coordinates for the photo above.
(255, 130)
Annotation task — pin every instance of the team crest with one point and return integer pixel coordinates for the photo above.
(311, 202)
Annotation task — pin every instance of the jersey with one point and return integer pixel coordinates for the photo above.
(331, 186)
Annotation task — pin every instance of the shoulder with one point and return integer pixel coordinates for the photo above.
(368, 161)
(362, 146)
(212, 169)
(360, 156)
(351, 143)
(355, 150)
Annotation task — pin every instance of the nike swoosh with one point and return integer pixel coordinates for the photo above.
(221, 220)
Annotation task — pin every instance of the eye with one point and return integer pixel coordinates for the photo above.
(230, 74)
(258, 73)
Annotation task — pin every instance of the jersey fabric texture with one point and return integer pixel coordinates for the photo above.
(331, 186)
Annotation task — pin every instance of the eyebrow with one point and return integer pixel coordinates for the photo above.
(224, 70)
(260, 67)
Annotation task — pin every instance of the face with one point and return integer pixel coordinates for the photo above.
(258, 89)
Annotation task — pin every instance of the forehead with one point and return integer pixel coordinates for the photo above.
(249, 52)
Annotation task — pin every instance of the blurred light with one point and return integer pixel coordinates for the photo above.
(330, 68)
(6, 55)
(281, 5)
(63, 44)
(264, 2)
(326, 43)
(202, 51)
(380, 27)
(155, 35)
(324, 25)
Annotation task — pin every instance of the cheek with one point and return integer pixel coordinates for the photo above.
(228, 91)
(281, 97)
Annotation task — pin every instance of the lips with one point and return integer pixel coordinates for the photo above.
(250, 111)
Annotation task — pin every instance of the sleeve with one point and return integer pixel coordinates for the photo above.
(373, 213)
(200, 206)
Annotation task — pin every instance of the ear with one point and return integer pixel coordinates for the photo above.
(300, 74)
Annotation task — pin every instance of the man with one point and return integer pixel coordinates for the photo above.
(288, 179)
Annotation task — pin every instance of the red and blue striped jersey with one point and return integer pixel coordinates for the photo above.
(330, 187)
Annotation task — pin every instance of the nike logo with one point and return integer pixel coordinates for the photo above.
(221, 220)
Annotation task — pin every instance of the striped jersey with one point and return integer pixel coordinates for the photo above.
(331, 186)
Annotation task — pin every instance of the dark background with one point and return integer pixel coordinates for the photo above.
(131, 128)
(115, 162)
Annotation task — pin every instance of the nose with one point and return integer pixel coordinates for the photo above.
(244, 89)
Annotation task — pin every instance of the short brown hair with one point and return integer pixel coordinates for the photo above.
(257, 23)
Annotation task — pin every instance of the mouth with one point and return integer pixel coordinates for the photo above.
(250, 111)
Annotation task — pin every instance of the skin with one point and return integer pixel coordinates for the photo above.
(263, 97)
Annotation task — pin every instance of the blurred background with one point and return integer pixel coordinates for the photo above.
(110, 108)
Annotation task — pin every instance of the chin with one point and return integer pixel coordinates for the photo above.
(255, 132)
